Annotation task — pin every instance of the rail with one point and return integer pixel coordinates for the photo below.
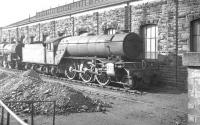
(9, 112)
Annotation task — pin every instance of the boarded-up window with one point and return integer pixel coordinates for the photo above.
(150, 38)
(195, 36)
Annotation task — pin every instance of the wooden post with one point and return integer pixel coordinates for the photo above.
(2, 115)
(8, 118)
(32, 113)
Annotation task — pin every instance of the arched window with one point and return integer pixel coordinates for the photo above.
(195, 36)
(150, 38)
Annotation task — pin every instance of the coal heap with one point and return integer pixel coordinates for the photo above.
(30, 87)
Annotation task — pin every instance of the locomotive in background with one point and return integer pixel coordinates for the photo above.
(102, 58)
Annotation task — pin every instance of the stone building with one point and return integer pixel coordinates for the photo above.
(154, 20)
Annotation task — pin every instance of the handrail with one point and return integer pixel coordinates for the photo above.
(12, 114)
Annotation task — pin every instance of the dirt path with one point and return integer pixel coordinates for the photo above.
(161, 106)
(166, 108)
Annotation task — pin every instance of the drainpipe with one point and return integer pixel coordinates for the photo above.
(177, 4)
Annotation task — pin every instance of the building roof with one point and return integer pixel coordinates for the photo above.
(69, 9)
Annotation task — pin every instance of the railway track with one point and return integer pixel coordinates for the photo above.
(80, 85)
(95, 89)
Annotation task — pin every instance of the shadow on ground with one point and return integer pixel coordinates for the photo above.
(165, 89)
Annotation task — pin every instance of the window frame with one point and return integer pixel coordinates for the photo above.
(192, 34)
(149, 55)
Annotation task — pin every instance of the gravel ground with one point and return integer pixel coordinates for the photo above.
(162, 109)
(159, 106)
(29, 87)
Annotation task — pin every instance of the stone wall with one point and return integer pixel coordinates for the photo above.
(32, 32)
(193, 96)
(5, 35)
(95, 23)
(168, 76)
(191, 60)
(64, 26)
(85, 23)
(0, 34)
(112, 19)
(160, 12)
(13, 35)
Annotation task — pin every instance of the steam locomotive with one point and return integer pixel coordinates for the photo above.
(101, 58)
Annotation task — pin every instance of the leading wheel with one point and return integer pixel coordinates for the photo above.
(69, 71)
(86, 76)
(103, 79)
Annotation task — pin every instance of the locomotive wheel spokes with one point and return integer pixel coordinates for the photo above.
(33, 67)
(9, 65)
(27, 66)
(69, 73)
(53, 71)
(16, 65)
(46, 70)
(103, 79)
(41, 69)
(86, 76)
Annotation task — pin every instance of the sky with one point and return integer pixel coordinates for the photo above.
(12, 11)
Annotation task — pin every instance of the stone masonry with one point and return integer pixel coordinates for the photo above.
(132, 16)
(191, 60)
(160, 12)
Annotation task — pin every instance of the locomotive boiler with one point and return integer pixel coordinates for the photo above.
(101, 58)
(124, 45)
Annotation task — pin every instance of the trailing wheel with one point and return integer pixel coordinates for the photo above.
(69, 71)
(103, 79)
(86, 76)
